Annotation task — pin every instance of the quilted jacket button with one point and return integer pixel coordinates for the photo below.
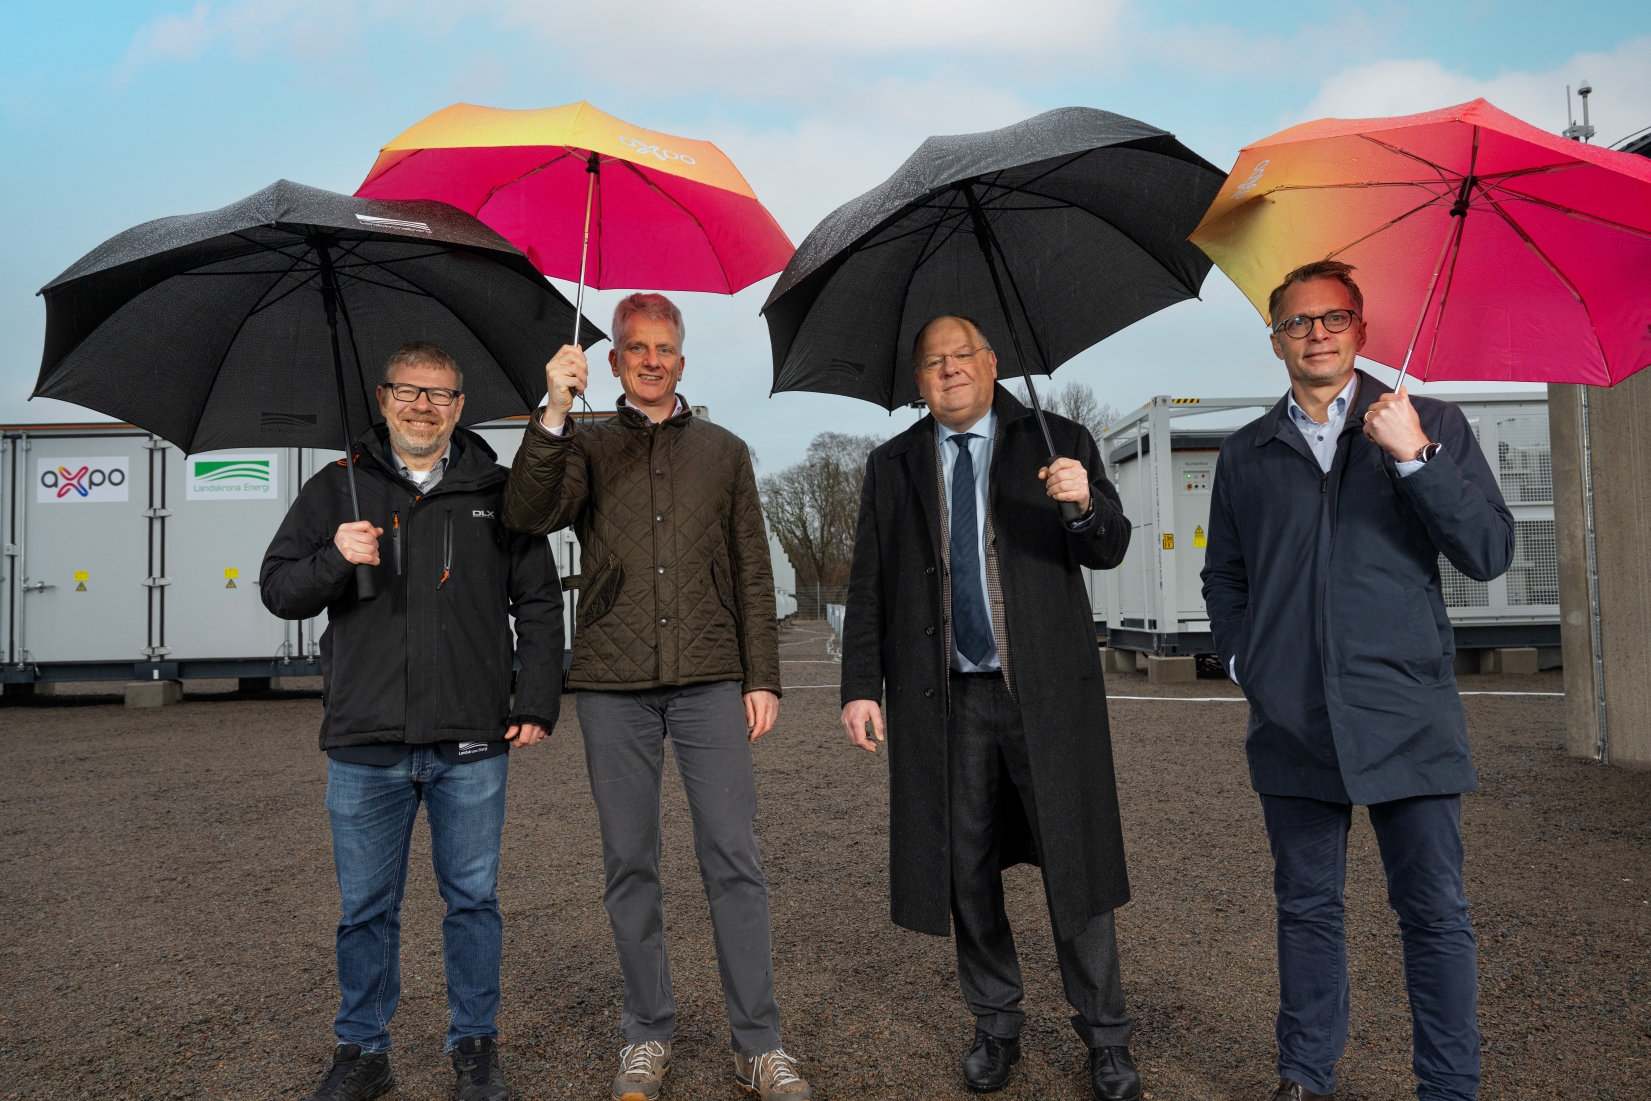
(662, 569)
(662, 623)
(928, 691)
(658, 471)
(659, 518)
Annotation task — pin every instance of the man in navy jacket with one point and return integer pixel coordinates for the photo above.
(1321, 577)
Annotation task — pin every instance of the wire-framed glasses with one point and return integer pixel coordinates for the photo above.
(935, 363)
(406, 391)
(1297, 327)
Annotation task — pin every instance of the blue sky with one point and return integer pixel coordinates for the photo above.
(115, 113)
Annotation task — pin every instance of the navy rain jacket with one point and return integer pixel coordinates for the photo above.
(1325, 588)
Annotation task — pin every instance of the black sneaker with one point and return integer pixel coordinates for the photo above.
(476, 1062)
(354, 1076)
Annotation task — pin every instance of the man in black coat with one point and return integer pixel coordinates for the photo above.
(417, 701)
(967, 610)
(1321, 577)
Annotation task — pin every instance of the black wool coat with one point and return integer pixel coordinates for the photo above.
(894, 647)
(1325, 589)
(430, 658)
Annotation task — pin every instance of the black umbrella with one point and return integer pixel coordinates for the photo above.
(222, 329)
(1059, 230)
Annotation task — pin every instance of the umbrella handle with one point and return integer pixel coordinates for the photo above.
(365, 587)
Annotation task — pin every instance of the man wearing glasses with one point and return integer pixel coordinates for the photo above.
(418, 702)
(967, 613)
(1328, 518)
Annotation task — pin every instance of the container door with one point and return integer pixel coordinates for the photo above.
(225, 508)
(85, 548)
(1195, 477)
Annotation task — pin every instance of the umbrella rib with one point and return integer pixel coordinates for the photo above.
(1384, 226)
(1531, 244)
(260, 306)
(535, 170)
(668, 197)
(1569, 212)
(1445, 174)
(217, 372)
(1455, 254)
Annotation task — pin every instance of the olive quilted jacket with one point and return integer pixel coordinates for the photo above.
(676, 586)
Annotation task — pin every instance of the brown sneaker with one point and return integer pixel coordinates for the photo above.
(642, 1068)
(773, 1074)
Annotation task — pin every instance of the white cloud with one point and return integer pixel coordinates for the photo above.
(1621, 103)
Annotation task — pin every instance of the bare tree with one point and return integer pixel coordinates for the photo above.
(813, 506)
(1076, 402)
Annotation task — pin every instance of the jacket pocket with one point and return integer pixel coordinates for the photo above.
(724, 586)
(599, 591)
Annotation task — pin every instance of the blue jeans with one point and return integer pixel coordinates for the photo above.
(372, 811)
(1421, 846)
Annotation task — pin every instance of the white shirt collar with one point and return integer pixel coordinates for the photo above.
(680, 406)
(985, 427)
(1338, 405)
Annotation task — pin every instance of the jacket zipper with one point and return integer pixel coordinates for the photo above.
(446, 550)
(395, 519)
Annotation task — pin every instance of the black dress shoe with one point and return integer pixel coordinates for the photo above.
(354, 1076)
(986, 1067)
(1112, 1075)
(476, 1065)
(1289, 1090)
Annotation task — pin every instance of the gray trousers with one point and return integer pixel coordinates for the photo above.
(625, 736)
(987, 746)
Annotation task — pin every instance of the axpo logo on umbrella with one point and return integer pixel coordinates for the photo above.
(643, 149)
(81, 480)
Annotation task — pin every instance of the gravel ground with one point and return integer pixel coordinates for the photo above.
(168, 905)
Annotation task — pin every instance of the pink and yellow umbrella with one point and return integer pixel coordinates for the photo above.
(1486, 248)
(589, 197)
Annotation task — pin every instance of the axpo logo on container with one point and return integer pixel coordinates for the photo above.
(81, 480)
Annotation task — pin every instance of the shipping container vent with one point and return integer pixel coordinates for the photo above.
(1524, 465)
(1534, 576)
(1461, 591)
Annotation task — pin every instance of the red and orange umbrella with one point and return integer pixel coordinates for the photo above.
(589, 197)
(1486, 248)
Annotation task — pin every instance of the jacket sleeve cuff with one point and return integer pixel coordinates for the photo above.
(746, 689)
(549, 725)
(536, 426)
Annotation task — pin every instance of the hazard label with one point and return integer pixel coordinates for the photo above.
(1198, 539)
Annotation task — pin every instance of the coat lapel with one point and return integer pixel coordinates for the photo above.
(924, 472)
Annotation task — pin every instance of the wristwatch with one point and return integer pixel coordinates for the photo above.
(1427, 452)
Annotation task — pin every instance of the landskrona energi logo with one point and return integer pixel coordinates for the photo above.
(223, 477)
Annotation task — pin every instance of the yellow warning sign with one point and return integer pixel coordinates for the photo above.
(1198, 539)
(1169, 540)
(231, 574)
(81, 577)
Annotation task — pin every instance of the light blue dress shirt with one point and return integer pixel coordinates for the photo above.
(980, 453)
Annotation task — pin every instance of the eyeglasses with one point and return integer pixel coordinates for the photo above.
(935, 363)
(1297, 327)
(406, 391)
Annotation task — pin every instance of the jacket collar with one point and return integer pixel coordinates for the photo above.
(632, 417)
(1276, 422)
(472, 463)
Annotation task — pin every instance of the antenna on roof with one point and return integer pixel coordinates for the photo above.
(1585, 131)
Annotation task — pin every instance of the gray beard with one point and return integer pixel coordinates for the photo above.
(414, 449)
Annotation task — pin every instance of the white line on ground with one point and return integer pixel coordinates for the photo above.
(789, 687)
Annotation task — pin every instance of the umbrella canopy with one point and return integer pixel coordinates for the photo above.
(1485, 248)
(210, 330)
(1052, 234)
(665, 213)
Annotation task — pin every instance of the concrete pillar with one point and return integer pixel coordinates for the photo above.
(1172, 670)
(153, 693)
(1620, 434)
(1511, 659)
(1118, 661)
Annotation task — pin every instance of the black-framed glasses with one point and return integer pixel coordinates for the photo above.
(406, 391)
(1297, 327)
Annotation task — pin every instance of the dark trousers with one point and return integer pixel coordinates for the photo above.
(1421, 846)
(625, 735)
(988, 752)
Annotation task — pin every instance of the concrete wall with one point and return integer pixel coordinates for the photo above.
(1620, 422)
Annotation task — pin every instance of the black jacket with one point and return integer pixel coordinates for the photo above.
(430, 659)
(894, 644)
(1325, 588)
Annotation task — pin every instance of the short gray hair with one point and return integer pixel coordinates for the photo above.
(654, 307)
(416, 352)
(917, 341)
